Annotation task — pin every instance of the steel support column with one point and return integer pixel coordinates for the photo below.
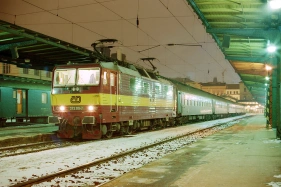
(268, 111)
(278, 125)
(275, 93)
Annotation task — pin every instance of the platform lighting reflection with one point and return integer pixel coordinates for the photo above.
(267, 78)
(274, 4)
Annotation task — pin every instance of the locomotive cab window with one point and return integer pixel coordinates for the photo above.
(105, 78)
(64, 77)
(88, 76)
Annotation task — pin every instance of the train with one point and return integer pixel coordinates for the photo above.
(24, 101)
(97, 100)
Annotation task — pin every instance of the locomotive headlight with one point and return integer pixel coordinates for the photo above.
(73, 89)
(62, 108)
(91, 108)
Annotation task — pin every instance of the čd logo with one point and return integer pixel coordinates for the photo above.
(75, 99)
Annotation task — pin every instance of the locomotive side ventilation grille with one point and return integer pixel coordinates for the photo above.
(88, 120)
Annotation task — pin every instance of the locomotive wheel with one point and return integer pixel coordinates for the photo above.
(172, 123)
(153, 126)
(105, 132)
(108, 134)
(129, 129)
(166, 123)
(136, 126)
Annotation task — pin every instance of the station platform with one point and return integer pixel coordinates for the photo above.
(245, 155)
(14, 135)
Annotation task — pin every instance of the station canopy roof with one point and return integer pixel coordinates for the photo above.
(28, 49)
(243, 29)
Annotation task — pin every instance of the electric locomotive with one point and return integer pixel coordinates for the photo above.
(98, 99)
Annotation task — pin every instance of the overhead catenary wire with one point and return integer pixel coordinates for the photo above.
(121, 18)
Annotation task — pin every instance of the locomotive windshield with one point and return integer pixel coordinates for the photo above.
(64, 77)
(88, 76)
(80, 76)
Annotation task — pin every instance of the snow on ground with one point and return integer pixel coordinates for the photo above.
(21, 167)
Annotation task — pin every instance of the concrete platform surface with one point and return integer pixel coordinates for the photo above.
(15, 135)
(244, 155)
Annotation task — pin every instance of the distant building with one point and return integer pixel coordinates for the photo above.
(13, 70)
(188, 82)
(245, 94)
(215, 87)
(233, 90)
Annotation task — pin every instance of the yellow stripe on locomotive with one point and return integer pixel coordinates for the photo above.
(107, 100)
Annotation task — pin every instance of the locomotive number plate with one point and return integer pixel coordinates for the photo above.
(76, 108)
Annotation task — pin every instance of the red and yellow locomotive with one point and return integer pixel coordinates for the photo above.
(98, 99)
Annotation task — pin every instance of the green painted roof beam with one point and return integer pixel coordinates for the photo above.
(203, 19)
(271, 34)
(6, 28)
(18, 44)
(256, 84)
(260, 59)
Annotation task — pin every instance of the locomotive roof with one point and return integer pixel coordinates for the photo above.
(113, 66)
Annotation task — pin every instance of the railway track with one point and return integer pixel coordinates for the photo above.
(33, 147)
(103, 170)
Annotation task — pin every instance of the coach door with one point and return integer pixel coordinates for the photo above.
(179, 99)
(113, 91)
(19, 101)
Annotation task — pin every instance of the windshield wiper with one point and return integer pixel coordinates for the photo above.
(67, 81)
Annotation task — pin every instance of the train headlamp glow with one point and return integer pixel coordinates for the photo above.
(90, 108)
(62, 108)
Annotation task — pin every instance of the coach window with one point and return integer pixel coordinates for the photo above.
(44, 98)
(157, 89)
(23, 94)
(0, 96)
(112, 82)
(165, 89)
(146, 87)
(14, 94)
(132, 84)
(104, 78)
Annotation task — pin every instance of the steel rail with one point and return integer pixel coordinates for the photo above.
(113, 157)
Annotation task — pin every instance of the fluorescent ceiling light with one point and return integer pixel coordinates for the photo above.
(271, 48)
(267, 67)
(274, 4)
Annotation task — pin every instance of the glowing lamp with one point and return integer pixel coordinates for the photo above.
(268, 68)
(271, 48)
(62, 108)
(90, 108)
(274, 4)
